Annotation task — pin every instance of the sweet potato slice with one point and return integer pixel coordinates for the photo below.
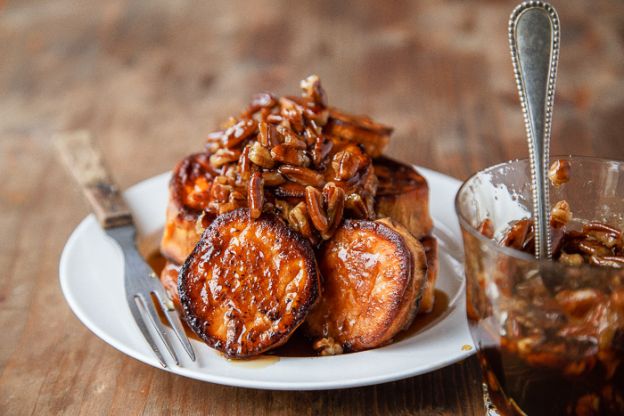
(373, 278)
(431, 250)
(403, 195)
(248, 284)
(188, 195)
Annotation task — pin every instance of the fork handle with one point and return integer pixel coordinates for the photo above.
(85, 164)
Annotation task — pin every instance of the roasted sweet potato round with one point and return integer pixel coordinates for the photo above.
(248, 284)
(189, 187)
(403, 195)
(373, 278)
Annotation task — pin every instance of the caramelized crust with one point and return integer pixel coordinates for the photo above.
(431, 251)
(248, 284)
(189, 188)
(403, 195)
(373, 277)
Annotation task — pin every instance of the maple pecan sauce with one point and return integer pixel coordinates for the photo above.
(559, 346)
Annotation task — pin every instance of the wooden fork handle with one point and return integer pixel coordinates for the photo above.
(85, 164)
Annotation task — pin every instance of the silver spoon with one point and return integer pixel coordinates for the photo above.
(534, 43)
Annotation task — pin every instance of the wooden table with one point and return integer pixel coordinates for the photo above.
(153, 78)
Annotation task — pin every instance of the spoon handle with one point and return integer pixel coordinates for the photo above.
(534, 43)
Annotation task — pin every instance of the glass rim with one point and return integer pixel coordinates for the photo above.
(508, 251)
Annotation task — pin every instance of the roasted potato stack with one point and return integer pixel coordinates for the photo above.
(248, 284)
(186, 218)
(373, 279)
(403, 195)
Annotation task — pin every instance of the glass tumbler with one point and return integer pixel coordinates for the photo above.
(549, 336)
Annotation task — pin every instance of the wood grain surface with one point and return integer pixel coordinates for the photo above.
(152, 78)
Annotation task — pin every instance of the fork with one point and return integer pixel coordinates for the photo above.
(144, 292)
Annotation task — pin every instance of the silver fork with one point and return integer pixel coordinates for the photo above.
(143, 288)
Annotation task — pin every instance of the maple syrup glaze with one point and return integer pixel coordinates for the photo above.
(298, 345)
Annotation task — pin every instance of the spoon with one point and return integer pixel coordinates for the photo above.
(534, 43)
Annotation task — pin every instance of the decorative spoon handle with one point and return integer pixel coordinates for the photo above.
(534, 43)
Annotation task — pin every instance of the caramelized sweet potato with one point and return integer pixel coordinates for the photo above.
(403, 195)
(248, 284)
(373, 278)
(188, 189)
(430, 245)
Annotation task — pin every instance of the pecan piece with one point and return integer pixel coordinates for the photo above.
(244, 164)
(291, 139)
(559, 172)
(356, 205)
(314, 203)
(255, 195)
(292, 112)
(301, 175)
(268, 135)
(298, 219)
(272, 178)
(260, 155)
(263, 100)
(486, 228)
(345, 165)
(240, 131)
(560, 214)
(224, 156)
(320, 150)
(290, 190)
(290, 155)
(334, 198)
(312, 89)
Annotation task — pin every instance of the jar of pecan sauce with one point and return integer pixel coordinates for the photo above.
(550, 333)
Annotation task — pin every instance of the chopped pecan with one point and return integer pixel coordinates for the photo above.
(559, 172)
(244, 164)
(240, 131)
(291, 139)
(290, 155)
(220, 192)
(292, 112)
(260, 155)
(486, 228)
(301, 175)
(327, 346)
(320, 150)
(255, 196)
(272, 178)
(356, 205)
(314, 203)
(345, 165)
(298, 219)
(263, 100)
(290, 190)
(224, 156)
(560, 214)
(312, 89)
(334, 198)
(268, 135)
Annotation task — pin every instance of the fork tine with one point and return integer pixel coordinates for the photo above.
(155, 320)
(176, 325)
(138, 318)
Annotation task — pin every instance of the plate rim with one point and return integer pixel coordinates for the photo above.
(382, 377)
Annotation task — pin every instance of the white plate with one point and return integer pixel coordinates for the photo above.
(91, 274)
